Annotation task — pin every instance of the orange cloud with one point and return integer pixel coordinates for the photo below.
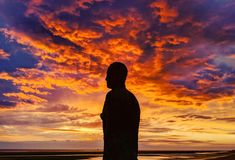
(76, 33)
(170, 39)
(27, 89)
(31, 82)
(112, 22)
(121, 46)
(164, 11)
(127, 24)
(3, 54)
(232, 56)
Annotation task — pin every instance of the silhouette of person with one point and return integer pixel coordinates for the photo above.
(120, 116)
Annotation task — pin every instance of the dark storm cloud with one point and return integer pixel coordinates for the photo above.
(7, 87)
(30, 25)
(211, 75)
(7, 104)
(18, 60)
(19, 56)
(230, 80)
(57, 4)
(17, 19)
(186, 83)
(227, 90)
(68, 17)
(210, 17)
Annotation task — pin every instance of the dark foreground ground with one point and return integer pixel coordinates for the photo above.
(97, 155)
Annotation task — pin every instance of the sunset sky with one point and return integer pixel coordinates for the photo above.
(53, 60)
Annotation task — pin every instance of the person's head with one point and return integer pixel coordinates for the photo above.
(116, 75)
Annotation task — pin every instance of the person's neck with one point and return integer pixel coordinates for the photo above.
(120, 86)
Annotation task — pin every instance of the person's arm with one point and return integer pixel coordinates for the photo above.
(104, 111)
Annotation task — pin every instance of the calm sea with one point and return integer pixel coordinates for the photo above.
(97, 155)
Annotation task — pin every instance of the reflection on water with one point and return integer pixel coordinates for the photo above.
(170, 155)
(179, 156)
(140, 158)
(152, 157)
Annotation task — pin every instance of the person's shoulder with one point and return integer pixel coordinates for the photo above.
(131, 95)
(133, 100)
(109, 93)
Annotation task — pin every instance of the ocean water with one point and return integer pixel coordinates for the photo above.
(180, 156)
(142, 158)
(97, 155)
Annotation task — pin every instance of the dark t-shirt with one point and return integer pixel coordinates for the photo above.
(121, 116)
